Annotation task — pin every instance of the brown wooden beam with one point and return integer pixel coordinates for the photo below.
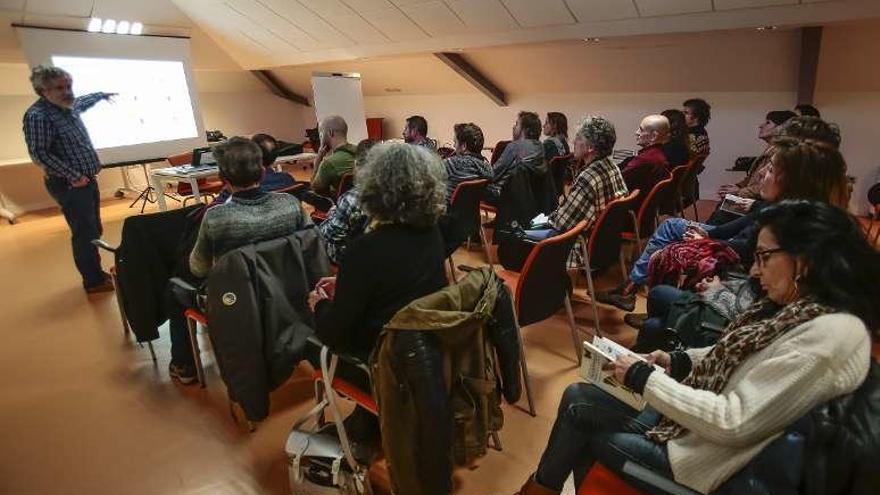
(471, 74)
(277, 87)
(811, 44)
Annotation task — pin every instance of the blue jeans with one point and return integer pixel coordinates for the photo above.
(540, 234)
(594, 426)
(660, 299)
(82, 211)
(671, 230)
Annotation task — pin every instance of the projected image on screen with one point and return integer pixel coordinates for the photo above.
(153, 102)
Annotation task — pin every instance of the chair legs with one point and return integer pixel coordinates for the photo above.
(527, 381)
(696, 213)
(191, 326)
(592, 291)
(484, 240)
(575, 339)
(126, 330)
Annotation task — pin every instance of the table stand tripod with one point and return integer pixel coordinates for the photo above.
(149, 192)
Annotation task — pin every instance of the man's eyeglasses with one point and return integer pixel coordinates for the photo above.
(762, 255)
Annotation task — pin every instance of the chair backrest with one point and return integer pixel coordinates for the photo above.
(180, 159)
(604, 240)
(679, 174)
(618, 155)
(346, 182)
(464, 211)
(497, 150)
(689, 192)
(558, 166)
(647, 214)
(543, 281)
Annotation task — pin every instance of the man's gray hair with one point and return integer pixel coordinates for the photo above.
(600, 132)
(402, 183)
(41, 75)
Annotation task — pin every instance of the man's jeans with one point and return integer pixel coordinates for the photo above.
(671, 230)
(591, 426)
(82, 211)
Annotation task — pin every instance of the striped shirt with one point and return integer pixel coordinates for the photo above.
(597, 185)
(58, 141)
(463, 167)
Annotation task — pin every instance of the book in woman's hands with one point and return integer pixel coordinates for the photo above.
(600, 352)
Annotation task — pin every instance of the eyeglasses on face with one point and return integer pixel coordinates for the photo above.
(762, 255)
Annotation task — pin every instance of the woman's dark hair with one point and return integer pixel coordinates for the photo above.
(808, 110)
(677, 125)
(470, 135)
(780, 117)
(530, 124)
(805, 127)
(810, 169)
(702, 110)
(842, 269)
(240, 161)
(268, 145)
(559, 122)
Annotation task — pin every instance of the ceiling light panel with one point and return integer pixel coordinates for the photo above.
(544, 13)
(601, 10)
(487, 15)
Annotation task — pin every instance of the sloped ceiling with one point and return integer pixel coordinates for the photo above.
(273, 33)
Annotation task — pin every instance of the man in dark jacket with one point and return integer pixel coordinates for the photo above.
(524, 151)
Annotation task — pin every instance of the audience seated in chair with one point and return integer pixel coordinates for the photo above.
(251, 215)
(676, 148)
(649, 166)
(556, 130)
(272, 180)
(750, 186)
(335, 156)
(599, 183)
(806, 165)
(697, 113)
(399, 259)
(524, 151)
(715, 409)
(416, 132)
(468, 162)
(346, 220)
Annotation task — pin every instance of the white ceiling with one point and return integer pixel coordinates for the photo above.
(276, 33)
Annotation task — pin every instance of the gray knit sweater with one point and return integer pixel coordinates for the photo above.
(247, 217)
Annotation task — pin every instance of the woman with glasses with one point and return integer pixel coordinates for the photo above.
(713, 409)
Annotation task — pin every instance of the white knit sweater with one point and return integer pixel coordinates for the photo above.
(808, 365)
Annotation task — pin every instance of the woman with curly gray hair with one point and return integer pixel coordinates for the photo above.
(399, 258)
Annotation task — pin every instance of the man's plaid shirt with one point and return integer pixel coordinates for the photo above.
(597, 185)
(58, 141)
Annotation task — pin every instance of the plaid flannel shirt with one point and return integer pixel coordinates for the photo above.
(58, 141)
(597, 185)
(344, 221)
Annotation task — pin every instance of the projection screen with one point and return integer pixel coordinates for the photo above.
(156, 112)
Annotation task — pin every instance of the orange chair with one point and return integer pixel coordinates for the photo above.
(602, 481)
(645, 221)
(542, 287)
(464, 207)
(346, 182)
(689, 185)
(601, 246)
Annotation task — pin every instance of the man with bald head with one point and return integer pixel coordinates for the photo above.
(335, 156)
(650, 165)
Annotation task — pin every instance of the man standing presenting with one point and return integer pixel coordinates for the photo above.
(58, 141)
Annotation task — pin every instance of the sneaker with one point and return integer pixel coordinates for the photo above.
(635, 320)
(184, 374)
(616, 298)
(105, 286)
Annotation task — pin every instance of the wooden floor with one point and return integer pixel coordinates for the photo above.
(86, 411)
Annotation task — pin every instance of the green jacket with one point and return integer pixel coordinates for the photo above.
(409, 379)
(331, 169)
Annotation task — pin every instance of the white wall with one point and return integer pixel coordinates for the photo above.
(848, 93)
(733, 128)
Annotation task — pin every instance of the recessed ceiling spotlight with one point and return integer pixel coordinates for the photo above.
(109, 26)
(591, 40)
(767, 28)
(122, 27)
(94, 25)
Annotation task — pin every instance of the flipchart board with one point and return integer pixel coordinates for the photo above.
(340, 94)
